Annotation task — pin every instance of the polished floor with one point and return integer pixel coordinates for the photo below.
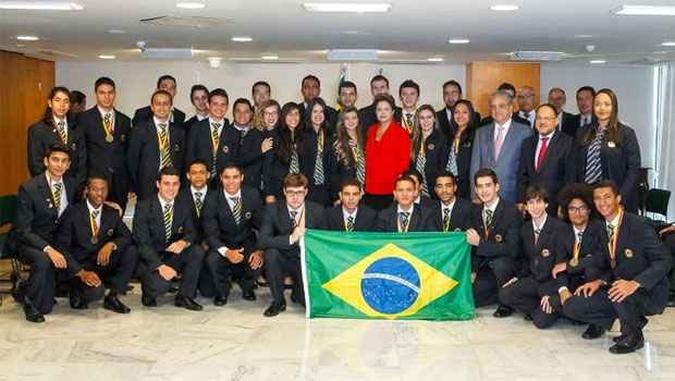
(236, 342)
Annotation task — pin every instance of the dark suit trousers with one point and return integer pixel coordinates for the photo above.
(115, 275)
(222, 271)
(278, 265)
(40, 287)
(188, 264)
(523, 295)
(491, 275)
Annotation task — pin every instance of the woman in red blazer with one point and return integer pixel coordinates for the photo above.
(387, 154)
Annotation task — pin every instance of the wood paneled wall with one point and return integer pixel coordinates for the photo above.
(482, 79)
(23, 97)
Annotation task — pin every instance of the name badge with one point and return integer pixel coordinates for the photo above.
(109, 232)
(628, 253)
(226, 149)
(545, 253)
(498, 238)
(431, 147)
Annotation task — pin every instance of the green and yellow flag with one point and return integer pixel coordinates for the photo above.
(387, 275)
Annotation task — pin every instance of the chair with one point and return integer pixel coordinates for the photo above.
(7, 218)
(657, 202)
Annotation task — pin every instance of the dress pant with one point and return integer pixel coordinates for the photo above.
(279, 264)
(116, 275)
(188, 263)
(222, 271)
(492, 273)
(40, 287)
(523, 295)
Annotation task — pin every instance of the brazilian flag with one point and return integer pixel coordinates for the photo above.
(387, 275)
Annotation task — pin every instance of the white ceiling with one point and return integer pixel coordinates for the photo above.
(413, 30)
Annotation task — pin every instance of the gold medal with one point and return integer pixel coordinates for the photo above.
(109, 138)
(94, 240)
(545, 253)
(574, 262)
(226, 149)
(628, 253)
(498, 238)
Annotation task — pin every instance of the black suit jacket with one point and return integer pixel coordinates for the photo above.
(144, 156)
(309, 153)
(448, 127)
(220, 228)
(145, 113)
(556, 171)
(592, 245)
(540, 257)
(460, 217)
(368, 118)
(185, 195)
(437, 157)
(571, 125)
(502, 237)
(421, 219)
(251, 157)
(365, 219)
(103, 158)
(276, 226)
(274, 169)
(330, 114)
(464, 180)
(148, 228)
(620, 161)
(75, 238)
(199, 145)
(36, 215)
(41, 136)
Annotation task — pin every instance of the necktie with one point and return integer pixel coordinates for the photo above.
(499, 140)
(488, 218)
(107, 124)
(294, 166)
(577, 245)
(446, 219)
(215, 143)
(409, 123)
(420, 165)
(236, 209)
(610, 239)
(319, 177)
(360, 165)
(168, 220)
(56, 194)
(593, 162)
(542, 152)
(294, 214)
(164, 154)
(94, 224)
(403, 219)
(349, 225)
(537, 232)
(63, 134)
(452, 161)
(242, 134)
(198, 203)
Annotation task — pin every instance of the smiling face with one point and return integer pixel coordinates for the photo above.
(461, 115)
(427, 120)
(602, 107)
(501, 108)
(546, 121)
(168, 85)
(231, 178)
(242, 114)
(585, 102)
(379, 87)
(404, 193)
(350, 196)
(161, 106)
(97, 192)
(168, 186)
(217, 107)
(200, 99)
(261, 94)
(57, 163)
(451, 95)
(350, 120)
(536, 207)
(384, 112)
(271, 117)
(292, 119)
(486, 189)
(318, 117)
(60, 104)
(578, 212)
(105, 96)
(347, 96)
(445, 189)
(409, 96)
(607, 203)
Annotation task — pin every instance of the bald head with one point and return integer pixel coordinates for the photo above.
(557, 97)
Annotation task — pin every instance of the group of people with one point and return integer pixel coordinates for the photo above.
(545, 199)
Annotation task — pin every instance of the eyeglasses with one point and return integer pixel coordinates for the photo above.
(581, 209)
(295, 193)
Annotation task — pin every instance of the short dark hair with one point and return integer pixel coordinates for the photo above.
(219, 93)
(404, 178)
(293, 180)
(349, 182)
(536, 192)
(607, 184)
(103, 81)
(412, 172)
(310, 77)
(161, 92)
(197, 162)
(96, 176)
(169, 170)
(544, 105)
(446, 173)
(77, 96)
(508, 87)
(58, 147)
(198, 87)
(586, 88)
(165, 77)
(347, 85)
(452, 82)
(485, 172)
(231, 166)
(240, 101)
(411, 84)
(379, 77)
(261, 83)
(385, 98)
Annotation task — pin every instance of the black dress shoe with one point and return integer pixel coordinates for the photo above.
(527, 317)
(275, 309)
(629, 344)
(112, 303)
(593, 332)
(32, 314)
(619, 338)
(248, 294)
(76, 301)
(220, 301)
(148, 301)
(173, 288)
(187, 303)
(502, 311)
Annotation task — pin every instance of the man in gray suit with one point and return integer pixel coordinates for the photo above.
(497, 145)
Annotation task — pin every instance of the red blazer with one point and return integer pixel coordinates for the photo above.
(387, 159)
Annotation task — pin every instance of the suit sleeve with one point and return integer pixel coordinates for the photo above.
(658, 256)
(632, 148)
(523, 175)
(35, 153)
(268, 240)
(141, 235)
(475, 160)
(24, 222)
(122, 236)
(64, 241)
(134, 148)
(210, 223)
(81, 175)
(510, 245)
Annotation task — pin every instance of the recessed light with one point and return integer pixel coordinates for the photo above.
(242, 39)
(645, 10)
(106, 56)
(597, 62)
(504, 7)
(117, 31)
(190, 5)
(583, 36)
(41, 5)
(458, 41)
(668, 43)
(348, 7)
(270, 57)
(27, 38)
(435, 59)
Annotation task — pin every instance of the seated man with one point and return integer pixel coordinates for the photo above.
(284, 224)
(496, 254)
(534, 291)
(420, 199)
(95, 239)
(452, 214)
(350, 215)
(41, 202)
(577, 245)
(231, 220)
(404, 215)
(164, 235)
(633, 280)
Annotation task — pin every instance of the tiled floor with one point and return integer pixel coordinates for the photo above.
(236, 342)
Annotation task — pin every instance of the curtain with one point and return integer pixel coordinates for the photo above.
(665, 131)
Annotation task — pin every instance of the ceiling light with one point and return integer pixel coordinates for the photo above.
(190, 5)
(41, 5)
(583, 36)
(270, 58)
(645, 10)
(668, 43)
(117, 31)
(106, 56)
(435, 59)
(348, 7)
(504, 7)
(27, 38)
(597, 62)
(458, 41)
(214, 62)
(242, 39)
